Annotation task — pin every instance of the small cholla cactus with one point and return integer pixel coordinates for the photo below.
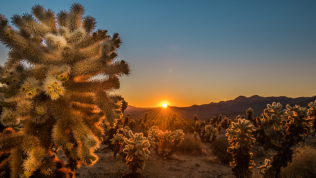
(153, 138)
(126, 120)
(177, 137)
(210, 133)
(241, 141)
(153, 143)
(249, 113)
(195, 135)
(132, 125)
(195, 117)
(137, 153)
(312, 114)
(117, 141)
(226, 122)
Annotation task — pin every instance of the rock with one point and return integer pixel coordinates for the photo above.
(197, 165)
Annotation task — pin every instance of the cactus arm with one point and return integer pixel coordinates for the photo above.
(90, 86)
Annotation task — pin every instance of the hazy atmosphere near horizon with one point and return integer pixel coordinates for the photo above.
(196, 52)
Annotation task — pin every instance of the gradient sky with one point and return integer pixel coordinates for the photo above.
(197, 52)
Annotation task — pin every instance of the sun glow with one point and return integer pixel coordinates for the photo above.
(164, 105)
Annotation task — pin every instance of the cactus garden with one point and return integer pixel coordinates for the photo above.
(69, 98)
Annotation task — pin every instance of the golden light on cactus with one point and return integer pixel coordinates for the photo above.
(55, 97)
(164, 105)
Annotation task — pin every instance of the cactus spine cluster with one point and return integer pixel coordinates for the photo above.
(54, 94)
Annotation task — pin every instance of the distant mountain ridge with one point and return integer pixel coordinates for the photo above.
(230, 108)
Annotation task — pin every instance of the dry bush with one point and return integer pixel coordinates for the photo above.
(191, 146)
(219, 149)
(303, 164)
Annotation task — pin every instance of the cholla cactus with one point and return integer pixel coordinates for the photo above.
(153, 138)
(61, 103)
(249, 113)
(137, 152)
(132, 124)
(210, 133)
(241, 141)
(195, 117)
(177, 137)
(226, 122)
(165, 140)
(272, 116)
(296, 128)
(312, 114)
(117, 141)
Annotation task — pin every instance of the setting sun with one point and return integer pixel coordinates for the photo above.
(164, 105)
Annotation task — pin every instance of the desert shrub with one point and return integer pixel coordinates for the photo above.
(303, 164)
(219, 149)
(191, 146)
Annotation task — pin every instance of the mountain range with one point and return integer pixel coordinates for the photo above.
(230, 108)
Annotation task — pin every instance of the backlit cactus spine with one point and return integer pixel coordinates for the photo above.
(61, 103)
(137, 153)
(241, 141)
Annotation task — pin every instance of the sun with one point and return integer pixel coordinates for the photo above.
(164, 105)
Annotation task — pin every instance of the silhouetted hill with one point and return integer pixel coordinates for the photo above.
(230, 108)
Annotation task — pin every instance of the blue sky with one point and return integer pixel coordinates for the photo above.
(197, 52)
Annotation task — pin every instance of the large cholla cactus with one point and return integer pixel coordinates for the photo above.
(297, 127)
(241, 141)
(137, 153)
(48, 84)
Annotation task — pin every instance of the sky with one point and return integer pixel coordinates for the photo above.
(197, 52)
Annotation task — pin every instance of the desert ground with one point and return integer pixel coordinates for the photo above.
(180, 165)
